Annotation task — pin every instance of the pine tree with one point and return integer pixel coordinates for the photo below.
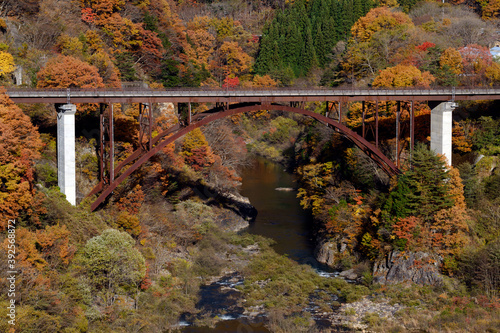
(426, 187)
(308, 57)
(320, 46)
(305, 34)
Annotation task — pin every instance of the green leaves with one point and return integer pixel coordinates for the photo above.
(111, 261)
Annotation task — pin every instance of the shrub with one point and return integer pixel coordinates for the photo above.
(110, 262)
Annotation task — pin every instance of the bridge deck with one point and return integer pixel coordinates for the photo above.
(248, 95)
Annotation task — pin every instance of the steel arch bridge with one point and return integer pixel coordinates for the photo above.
(154, 145)
(229, 103)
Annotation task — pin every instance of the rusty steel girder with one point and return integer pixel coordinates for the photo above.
(140, 156)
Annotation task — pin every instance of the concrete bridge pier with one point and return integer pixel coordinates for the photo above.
(441, 129)
(66, 166)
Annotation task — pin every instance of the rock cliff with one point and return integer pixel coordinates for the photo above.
(417, 267)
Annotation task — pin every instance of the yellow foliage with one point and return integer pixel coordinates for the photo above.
(129, 223)
(263, 81)
(7, 64)
(351, 158)
(225, 27)
(452, 58)
(376, 20)
(70, 46)
(492, 73)
(389, 3)
(94, 41)
(403, 76)
(193, 140)
(235, 58)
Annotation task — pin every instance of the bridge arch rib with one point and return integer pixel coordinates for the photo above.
(140, 156)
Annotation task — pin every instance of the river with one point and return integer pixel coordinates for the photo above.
(280, 218)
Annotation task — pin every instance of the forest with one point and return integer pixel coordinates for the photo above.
(425, 243)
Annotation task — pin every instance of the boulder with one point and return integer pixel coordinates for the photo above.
(418, 267)
(326, 252)
(350, 274)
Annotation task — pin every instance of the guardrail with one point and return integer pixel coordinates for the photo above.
(21, 95)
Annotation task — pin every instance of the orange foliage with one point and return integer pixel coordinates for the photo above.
(20, 146)
(490, 9)
(124, 34)
(452, 58)
(150, 50)
(132, 202)
(200, 158)
(67, 72)
(88, 15)
(403, 76)
(126, 122)
(456, 188)
(107, 69)
(449, 230)
(174, 160)
(47, 247)
(378, 19)
(346, 223)
(405, 228)
(264, 81)
(463, 133)
(129, 223)
(234, 60)
(200, 41)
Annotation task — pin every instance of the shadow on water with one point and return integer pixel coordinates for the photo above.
(280, 216)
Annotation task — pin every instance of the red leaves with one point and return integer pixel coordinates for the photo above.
(133, 201)
(201, 157)
(150, 51)
(231, 82)
(425, 46)
(405, 229)
(88, 15)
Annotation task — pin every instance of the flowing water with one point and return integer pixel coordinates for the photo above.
(272, 191)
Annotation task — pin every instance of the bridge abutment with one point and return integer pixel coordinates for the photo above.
(441, 129)
(66, 166)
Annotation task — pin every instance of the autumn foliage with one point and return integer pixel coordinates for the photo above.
(69, 72)
(403, 76)
(20, 146)
(379, 19)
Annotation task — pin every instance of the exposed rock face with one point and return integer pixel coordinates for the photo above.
(326, 252)
(239, 204)
(417, 267)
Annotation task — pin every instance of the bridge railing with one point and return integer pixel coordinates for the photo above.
(27, 95)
